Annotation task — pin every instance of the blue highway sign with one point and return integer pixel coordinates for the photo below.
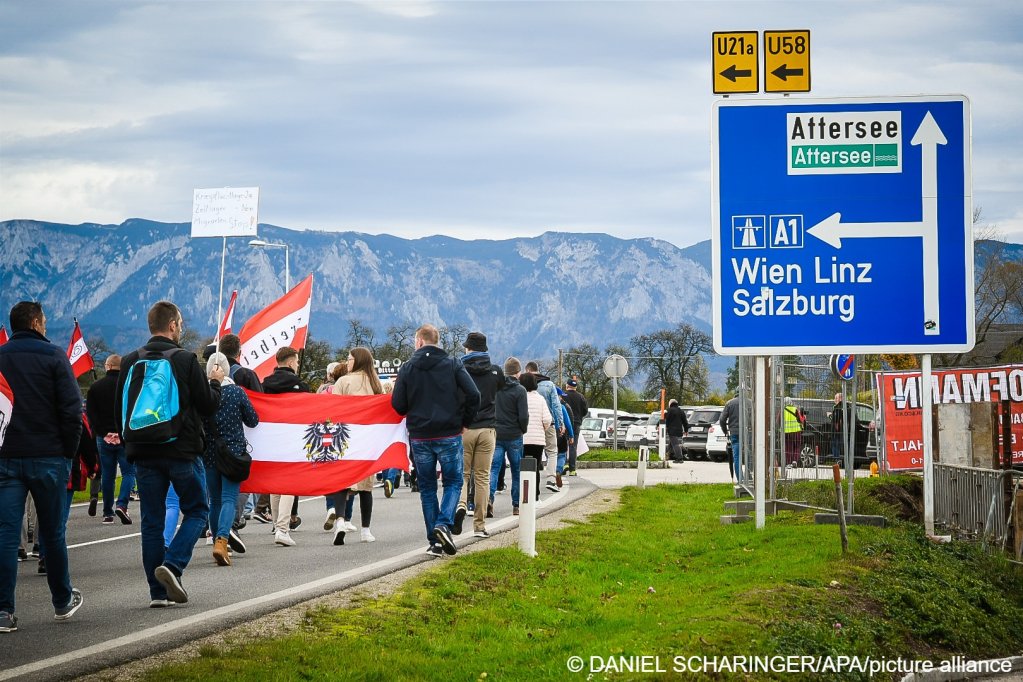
(842, 225)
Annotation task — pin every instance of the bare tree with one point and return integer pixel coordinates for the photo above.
(670, 357)
(452, 337)
(360, 334)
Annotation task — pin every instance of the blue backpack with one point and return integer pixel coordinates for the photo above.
(151, 410)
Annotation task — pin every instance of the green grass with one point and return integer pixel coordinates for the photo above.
(659, 576)
(83, 495)
(610, 455)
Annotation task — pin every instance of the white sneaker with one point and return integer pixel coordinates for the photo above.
(350, 527)
(283, 538)
(367, 536)
(328, 523)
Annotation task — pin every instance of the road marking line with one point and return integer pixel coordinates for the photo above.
(189, 621)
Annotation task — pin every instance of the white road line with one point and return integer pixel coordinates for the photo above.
(198, 618)
(97, 542)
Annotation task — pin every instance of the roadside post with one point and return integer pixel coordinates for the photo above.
(827, 214)
(527, 506)
(644, 455)
(837, 473)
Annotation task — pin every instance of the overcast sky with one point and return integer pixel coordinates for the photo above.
(471, 119)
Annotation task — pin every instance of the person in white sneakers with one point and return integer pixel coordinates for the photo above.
(285, 379)
(361, 379)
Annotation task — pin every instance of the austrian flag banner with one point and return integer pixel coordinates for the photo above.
(78, 353)
(318, 444)
(285, 322)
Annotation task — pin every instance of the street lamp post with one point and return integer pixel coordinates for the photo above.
(273, 245)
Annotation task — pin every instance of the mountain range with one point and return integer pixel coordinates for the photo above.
(530, 296)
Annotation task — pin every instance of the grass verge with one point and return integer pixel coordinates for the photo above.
(661, 576)
(612, 455)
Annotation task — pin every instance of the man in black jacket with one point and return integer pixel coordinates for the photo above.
(577, 404)
(231, 346)
(284, 508)
(438, 399)
(676, 425)
(158, 465)
(479, 438)
(101, 408)
(511, 420)
(38, 440)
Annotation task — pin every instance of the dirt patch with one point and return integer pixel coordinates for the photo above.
(906, 499)
(289, 620)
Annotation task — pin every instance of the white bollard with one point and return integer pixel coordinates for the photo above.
(644, 455)
(662, 444)
(527, 506)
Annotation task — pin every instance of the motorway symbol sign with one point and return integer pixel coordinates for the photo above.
(786, 61)
(842, 225)
(735, 59)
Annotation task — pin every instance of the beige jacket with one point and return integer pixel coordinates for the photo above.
(357, 383)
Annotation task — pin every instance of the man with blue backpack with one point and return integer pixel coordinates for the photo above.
(162, 395)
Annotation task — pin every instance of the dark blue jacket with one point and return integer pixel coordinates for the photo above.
(47, 414)
(435, 394)
(198, 397)
(235, 412)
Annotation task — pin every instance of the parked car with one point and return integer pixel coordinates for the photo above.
(718, 446)
(625, 420)
(643, 430)
(700, 422)
(817, 433)
(596, 431)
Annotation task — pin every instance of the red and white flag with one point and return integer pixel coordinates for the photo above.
(3, 335)
(285, 322)
(225, 324)
(319, 443)
(78, 353)
(6, 406)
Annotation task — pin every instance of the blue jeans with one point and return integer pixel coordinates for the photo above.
(426, 454)
(46, 479)
(393, 475)
(513, 448)
(154, 478)
(562, 456)
(736, 456)
(223, 503)
(110, 456)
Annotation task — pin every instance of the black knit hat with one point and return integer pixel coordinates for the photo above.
(476, 341)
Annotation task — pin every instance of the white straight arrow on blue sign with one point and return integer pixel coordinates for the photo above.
(832, 230)
(879, 184)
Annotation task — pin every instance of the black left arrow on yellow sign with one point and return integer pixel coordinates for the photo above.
(736, 62)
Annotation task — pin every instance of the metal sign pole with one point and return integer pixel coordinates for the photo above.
(925, 405)
(760, 445)
(614, 395)
(850, 453)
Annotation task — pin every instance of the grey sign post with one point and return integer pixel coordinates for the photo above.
(615, 367)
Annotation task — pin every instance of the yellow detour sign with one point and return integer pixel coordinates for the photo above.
(736, 62)
(786, 61)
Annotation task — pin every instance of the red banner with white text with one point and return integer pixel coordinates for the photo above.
(900, 400)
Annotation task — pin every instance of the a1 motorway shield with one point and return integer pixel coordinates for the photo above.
(842, 225)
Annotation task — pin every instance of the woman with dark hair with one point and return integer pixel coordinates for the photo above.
(534, 440)
(360, 379)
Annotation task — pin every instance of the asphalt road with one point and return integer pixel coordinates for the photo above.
(116, 625)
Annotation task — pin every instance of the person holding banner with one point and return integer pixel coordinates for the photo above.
(439, 400)
(285, 379)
